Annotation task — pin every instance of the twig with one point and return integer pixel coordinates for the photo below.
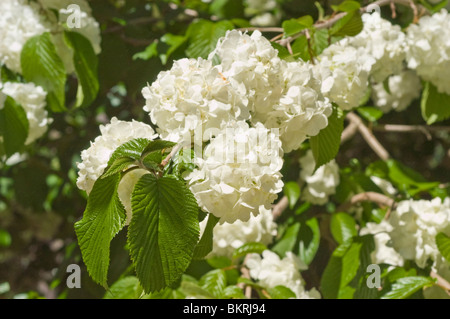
(349, 131)
(279, 207)
(262, 29)
(369, 137)
(441, 282)
(175, 149)
(377, 198)
(425, 129)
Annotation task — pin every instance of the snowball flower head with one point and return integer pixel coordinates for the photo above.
(228, 237)
(429, 49)
(192, 94)
(415, 226)
(322, 183)
(95, 158)
(344, 71)
(240, 171)
(19, 21)
(32, 98)
(271, 271)
(383, 41)
(403, 89)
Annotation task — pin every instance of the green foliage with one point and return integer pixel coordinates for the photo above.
(443, 244)
(13, 127)
(292, 191)
(370, 113)
(434, 104)
(205, 245)
(406, 286)
(42, 65)
(249, 248)
(343, 227)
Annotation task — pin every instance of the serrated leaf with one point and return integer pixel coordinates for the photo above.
(214, 282)
(309, 240)
(370, 113)
(158, 145)
(292, 191)
(249, 248)
(281, 292)
(406, 286)
(348, 6)
(203, 36)
(125, 288)
(103, 218)
(163, 231)
(435, 105)
(343, 227)
(42, 65)
(85, 62)
(118, 166)
(350, 25)
(294, 26)
(443, 244)
(13, 126)
(325, 145)
(205, 245)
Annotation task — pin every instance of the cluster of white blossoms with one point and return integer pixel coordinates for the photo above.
(344, 71)
(239, 172)
(262, 13)
(95, 158)
(403, 89)
(322, 183)
(270, 271)
(32, 98)
(228, 237)
(429, 49)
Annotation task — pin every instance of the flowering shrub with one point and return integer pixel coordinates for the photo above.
(228, 165)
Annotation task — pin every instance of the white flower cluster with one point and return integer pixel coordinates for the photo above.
(403, 89)
(429, 49)
(32, 99)
(415, 226)
(228, 237)
(344, 71)
(383, 41)
(240, 172)
(20, 20)
(322, 183)
(263, 13)
(271, 271)
(96, 157)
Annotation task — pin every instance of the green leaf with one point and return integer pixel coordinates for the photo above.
(325, 145)
(5, 238)
(103, 218)
(294, 26)
(281, 292)
(42, 65)
(205, 245)
(203, 36)
(288, 240)
(149, 52)
(192, 289)
(249, 248)
(158, 145)
(343, 227)
(214, 282)
(292, 191)
(118, 166)
(13, 126)
(174, 42)
(370, 113)
(219, 262)
(163, 231)
(233, 292)
(309, 240)
(350, 25)
(349, 6)
(435, 106)
(443, 244)
(86, 64)
(125, 288)
(406, 286)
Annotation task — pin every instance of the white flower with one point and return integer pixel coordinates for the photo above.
(96, 157)
(403, 89)
(384, 253)
(344, 71)
(33, 100)
(415, 226)
(192, 94)
(277, 93)
(19, 21)
(383, 41)
(322, 183)
(239, 172)
(429, 49)
(228, 237)
(271, 271)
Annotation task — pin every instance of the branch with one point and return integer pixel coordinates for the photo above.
(441, 282)
(175, 149)
(368, 136)
(425, 129)
(279, 207)
(349, 131)
(377, 198)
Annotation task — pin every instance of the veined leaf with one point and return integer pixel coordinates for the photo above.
(13, 126)
(248, 248)
(205, 245)
(435, 105)
(443, 244)
(406, 286)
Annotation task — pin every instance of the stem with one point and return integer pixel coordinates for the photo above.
(368, 136)
(279, 207)
(441, 282)
(175, 149)
(377, 198)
